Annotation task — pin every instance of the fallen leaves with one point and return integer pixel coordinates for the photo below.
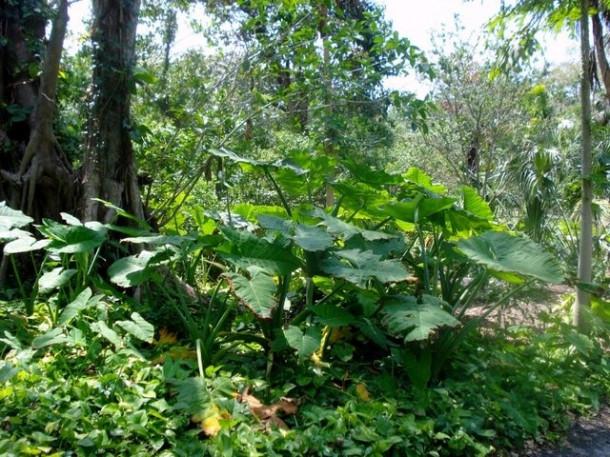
(268, 414)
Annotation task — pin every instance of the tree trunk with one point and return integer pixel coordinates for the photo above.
(45, 174)
(586, 225)
(329, 131)
(109, 169)
(38, 177)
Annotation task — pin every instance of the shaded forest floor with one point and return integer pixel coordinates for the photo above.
(586, 436)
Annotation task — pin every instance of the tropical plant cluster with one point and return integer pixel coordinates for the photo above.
(240, 257)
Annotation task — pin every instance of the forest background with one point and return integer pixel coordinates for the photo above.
(263, 248)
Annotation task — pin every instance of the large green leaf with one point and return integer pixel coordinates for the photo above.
(504, 253)
(332, 315)
(11, 218)
(80, 302)
(256, 293)
(138, 327)
(54, 278)
(251, 253)
(71, 239)
(377, 178)
(347, 230)
(102, 329)
(475, 204)
(358, 267)
(275, 223)
(360, 196)
(433, 205)
(304, 343)
(54, 336)
(419, 177)
(416, 321)
(25, 244)
(133, 270)
(403, 210)
(312, 238)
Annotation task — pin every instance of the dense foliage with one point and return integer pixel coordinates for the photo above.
(289, 283)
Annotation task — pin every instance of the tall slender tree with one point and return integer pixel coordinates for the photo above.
(585, 256)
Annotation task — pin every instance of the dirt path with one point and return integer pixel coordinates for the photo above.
(588, 437)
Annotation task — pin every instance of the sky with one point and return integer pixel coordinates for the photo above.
(411, 19)
(417, 24)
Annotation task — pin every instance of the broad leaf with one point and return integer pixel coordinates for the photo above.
(10, 218)
(160, 240)
(121, 212)
(361, 196)
(304, 343)
(25, 244)
(226, 154)
(7, 235)
(55, 278)
(250, 253)
(312, 238)
(504, 253)
(55, 336)
(404, 315)
(193, 396)
(133, 270)
(80, 302)
(70, 239)
(333, 316)
(358, 267)
(364, 173)
(275, 223)
(475, 204)
(138, 327)
(256, 293)
(347, 230)
(419, 177)
(433, 205)
(101, 328)
(404, 210)
(70, 220)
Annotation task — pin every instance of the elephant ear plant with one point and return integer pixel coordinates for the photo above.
(397, 259)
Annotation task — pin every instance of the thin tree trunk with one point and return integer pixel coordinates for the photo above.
(109, 169)
(329, 132)
(586, 225)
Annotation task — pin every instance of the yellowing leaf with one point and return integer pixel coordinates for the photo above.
(166, 337)
(362, 392)
(340, 333)
(211, 426)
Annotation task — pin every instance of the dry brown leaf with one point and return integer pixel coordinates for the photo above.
(176, 352)
(166, 337)
(279, 423)
(268, 413)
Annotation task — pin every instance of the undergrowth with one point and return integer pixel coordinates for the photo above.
(135, 398)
